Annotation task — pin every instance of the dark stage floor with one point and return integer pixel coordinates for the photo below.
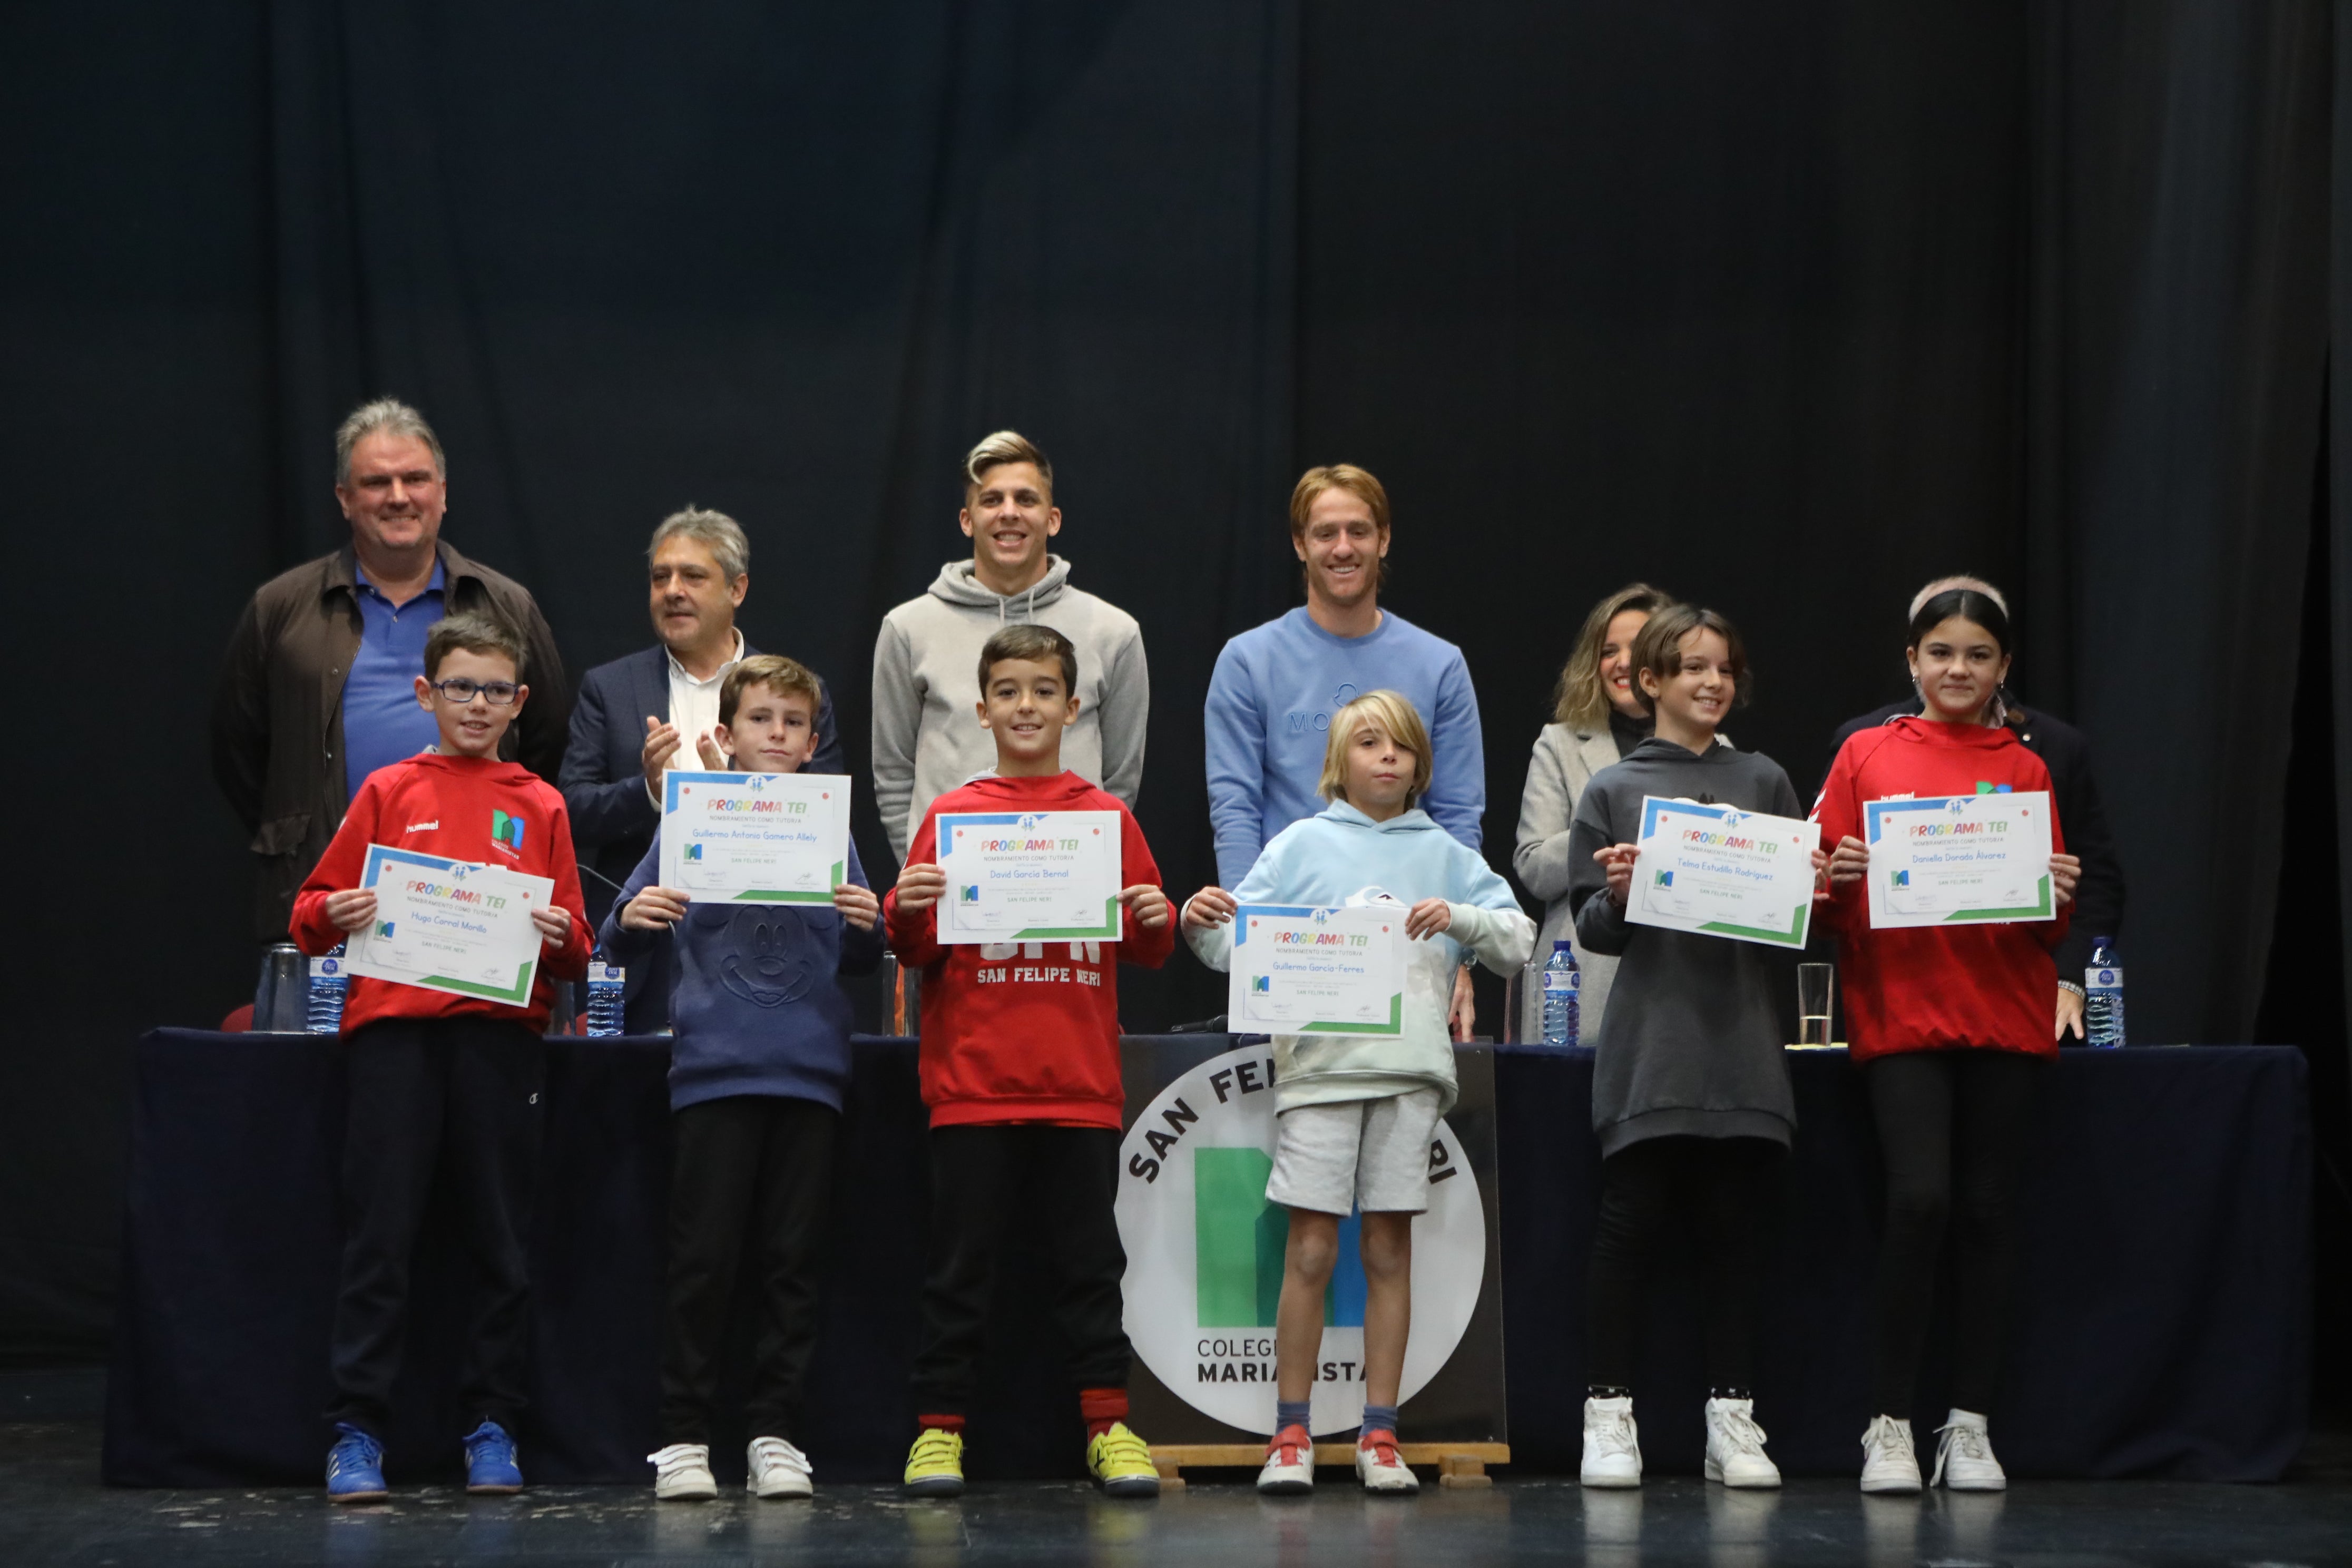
(52, 1511)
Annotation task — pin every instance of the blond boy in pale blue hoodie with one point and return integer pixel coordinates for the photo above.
(1355, 1113)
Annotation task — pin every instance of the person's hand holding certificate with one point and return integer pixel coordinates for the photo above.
(451, 925)
(758, 838)
(1959, 859)
(1720, 871)
(1029, 875)
(1302, 971)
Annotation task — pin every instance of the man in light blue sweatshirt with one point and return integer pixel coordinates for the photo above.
(1276, 687)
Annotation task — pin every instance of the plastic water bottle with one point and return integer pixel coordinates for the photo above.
(328, 985)
(1563, 987)
(607, 984)
(2103, 996)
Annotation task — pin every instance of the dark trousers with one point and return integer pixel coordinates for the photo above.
(1725, 1194)
(429, 1095)
(751, 1175)
(1059, 1181)
(1952, 1127)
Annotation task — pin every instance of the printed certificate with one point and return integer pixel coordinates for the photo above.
(755, 838)
(1029, 875)
(1721, 871)
(1959, 859)
(1303, 970)
(451, 925)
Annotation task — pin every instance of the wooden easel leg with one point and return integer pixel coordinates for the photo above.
(1171, 1473)
(1461, 1470)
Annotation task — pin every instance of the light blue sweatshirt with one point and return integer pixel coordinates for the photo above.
(1270, 707)
(1343, 859)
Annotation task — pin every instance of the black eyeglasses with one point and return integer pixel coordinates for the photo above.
(500, 693)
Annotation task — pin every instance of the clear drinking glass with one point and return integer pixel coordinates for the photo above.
(1816, 1004)
(1522, 989)
(281, 1000)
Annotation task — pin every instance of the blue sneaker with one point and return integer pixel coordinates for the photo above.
(355, 1468)
(490, 1468)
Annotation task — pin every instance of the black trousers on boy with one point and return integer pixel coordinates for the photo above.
(459, 1094)
(752, 1178)
(1952, 1128)
(1725, 1194)
(1060, 1181)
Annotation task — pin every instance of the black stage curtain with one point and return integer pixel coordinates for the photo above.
(1786, 307)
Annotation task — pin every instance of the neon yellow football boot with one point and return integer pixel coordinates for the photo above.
(1120, 1463)
(935, 1464)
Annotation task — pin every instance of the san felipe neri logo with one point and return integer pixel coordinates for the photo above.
(1204, 1254)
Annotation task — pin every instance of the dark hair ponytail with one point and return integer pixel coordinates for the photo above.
(1969, 605)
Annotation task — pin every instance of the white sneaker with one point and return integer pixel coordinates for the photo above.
(1289, 1463)
(1612, 1447)
(1889, 1462)
(1380, 1468)
(1734, 1446)
(777, 1469)
(1964, 1460)
(682, 1473)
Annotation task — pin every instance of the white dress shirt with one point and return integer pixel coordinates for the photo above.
(694, 708)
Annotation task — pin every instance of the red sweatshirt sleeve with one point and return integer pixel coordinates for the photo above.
(1838, 809)
(569, 962)
(337, 869)
(1143, 948)
(914, 934)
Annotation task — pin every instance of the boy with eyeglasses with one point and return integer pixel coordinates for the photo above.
(440, 1082)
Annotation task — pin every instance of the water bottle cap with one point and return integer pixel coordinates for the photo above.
(2103, 940)
(1563, 946)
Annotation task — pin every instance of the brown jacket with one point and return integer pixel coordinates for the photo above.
(277, 715)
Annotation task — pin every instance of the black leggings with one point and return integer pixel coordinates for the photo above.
(1952, 1127)
(1722, 1192)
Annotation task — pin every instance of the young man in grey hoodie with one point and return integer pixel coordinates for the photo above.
(927, 739)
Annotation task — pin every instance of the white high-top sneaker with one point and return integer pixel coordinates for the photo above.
(1889, 1462)
(1612, 1447)
(1964, 1460)
(682, 1473)
(1734, 1446)
(777, 1469)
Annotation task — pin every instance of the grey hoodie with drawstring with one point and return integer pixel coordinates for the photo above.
(927, 740)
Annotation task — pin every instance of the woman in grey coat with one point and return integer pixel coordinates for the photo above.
(1599, 717)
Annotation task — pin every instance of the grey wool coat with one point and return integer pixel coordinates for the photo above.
(1565, 760)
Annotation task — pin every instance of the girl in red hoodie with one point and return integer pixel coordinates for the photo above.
(1951, 1026)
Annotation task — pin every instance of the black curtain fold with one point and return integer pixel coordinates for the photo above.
(2181, 336)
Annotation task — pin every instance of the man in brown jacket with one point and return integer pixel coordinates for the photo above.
(317, 689)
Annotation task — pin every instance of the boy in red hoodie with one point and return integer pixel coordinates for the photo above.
(438, 1080)
(1019, 1066)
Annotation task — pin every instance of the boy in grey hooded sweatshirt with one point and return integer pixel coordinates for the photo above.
(1690, 1083)
(927, 740)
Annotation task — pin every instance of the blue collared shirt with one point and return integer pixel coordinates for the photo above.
(381, 722)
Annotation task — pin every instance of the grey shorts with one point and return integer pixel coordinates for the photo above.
(1368, 1154)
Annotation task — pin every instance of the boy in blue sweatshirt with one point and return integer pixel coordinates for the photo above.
(1355, 1114)
(757, 1067)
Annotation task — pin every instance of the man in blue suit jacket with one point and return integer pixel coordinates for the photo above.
(638, 717)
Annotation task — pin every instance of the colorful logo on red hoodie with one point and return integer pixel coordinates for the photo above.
(505, 832)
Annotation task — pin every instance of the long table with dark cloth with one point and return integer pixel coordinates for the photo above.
(2162, 1313)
